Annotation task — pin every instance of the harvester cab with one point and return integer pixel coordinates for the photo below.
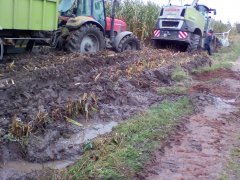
(182, 25)
(87, 29)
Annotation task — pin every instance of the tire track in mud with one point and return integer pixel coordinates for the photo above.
(200, 150)
(124, 85)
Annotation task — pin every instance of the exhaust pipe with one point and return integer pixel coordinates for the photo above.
(114, 5)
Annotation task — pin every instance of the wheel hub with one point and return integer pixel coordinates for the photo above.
(88, 47)
(129, 46)
(89, 44)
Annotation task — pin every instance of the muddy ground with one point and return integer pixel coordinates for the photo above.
(202, 146)
(41, 92)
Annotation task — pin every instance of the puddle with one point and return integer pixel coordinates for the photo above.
(92, 132)
(27, 167)
(220, 107)
(89, 133)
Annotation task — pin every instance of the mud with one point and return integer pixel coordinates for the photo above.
(200, 149)
(23, 168)
(37, 90)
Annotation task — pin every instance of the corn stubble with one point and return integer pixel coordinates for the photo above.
(85, 105)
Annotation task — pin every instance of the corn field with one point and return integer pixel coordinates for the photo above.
(219, 27)
(140, 17)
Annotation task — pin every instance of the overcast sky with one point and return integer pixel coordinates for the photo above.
(227, 10)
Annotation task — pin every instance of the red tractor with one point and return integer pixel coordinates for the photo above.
(85, 28)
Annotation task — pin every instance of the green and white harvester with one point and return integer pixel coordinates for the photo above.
(183, 25)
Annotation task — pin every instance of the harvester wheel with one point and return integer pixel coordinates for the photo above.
(88, 39)
(129, 42)
(194, 44)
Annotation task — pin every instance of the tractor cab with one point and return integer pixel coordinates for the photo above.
(93, 8)
(86, 29)
(75, 8)
(89, 8)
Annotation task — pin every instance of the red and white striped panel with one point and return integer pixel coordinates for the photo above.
(156, 33)
(182, 35)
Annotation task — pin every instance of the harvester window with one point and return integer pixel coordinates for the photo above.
(203, 9)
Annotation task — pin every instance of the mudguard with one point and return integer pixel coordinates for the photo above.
(75, 23)
(119, 37)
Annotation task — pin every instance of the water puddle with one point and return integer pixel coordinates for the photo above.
(90, 132)
(219, 108)
(27, 167)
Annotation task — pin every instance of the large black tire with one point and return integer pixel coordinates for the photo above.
(129, 42)
(30, 45)
(194, 44)
(88, 39)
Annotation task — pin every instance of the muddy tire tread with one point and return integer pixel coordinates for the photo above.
(193, 46)
(127, 39)
(74, 39)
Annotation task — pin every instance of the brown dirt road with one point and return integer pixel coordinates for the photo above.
(201, 148)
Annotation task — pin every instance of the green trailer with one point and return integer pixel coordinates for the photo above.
(21, 20)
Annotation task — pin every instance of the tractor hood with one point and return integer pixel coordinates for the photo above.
(173, 12)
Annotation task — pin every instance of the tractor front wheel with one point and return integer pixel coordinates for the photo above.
(88, 39)
(129, 42)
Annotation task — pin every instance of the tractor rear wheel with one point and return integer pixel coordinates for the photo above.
(194, 44)
(88, 39)
(129, 42)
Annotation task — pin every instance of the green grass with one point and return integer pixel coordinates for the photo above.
(232, 169)
(224, 58)
(122, 153)
(173, 90)
(179, 75)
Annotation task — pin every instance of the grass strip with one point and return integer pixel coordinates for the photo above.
(225, 57)
(173, 90)
(123, 152)
(232, 169)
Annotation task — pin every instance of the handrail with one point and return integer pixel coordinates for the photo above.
(1, 49)
(223, 37)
